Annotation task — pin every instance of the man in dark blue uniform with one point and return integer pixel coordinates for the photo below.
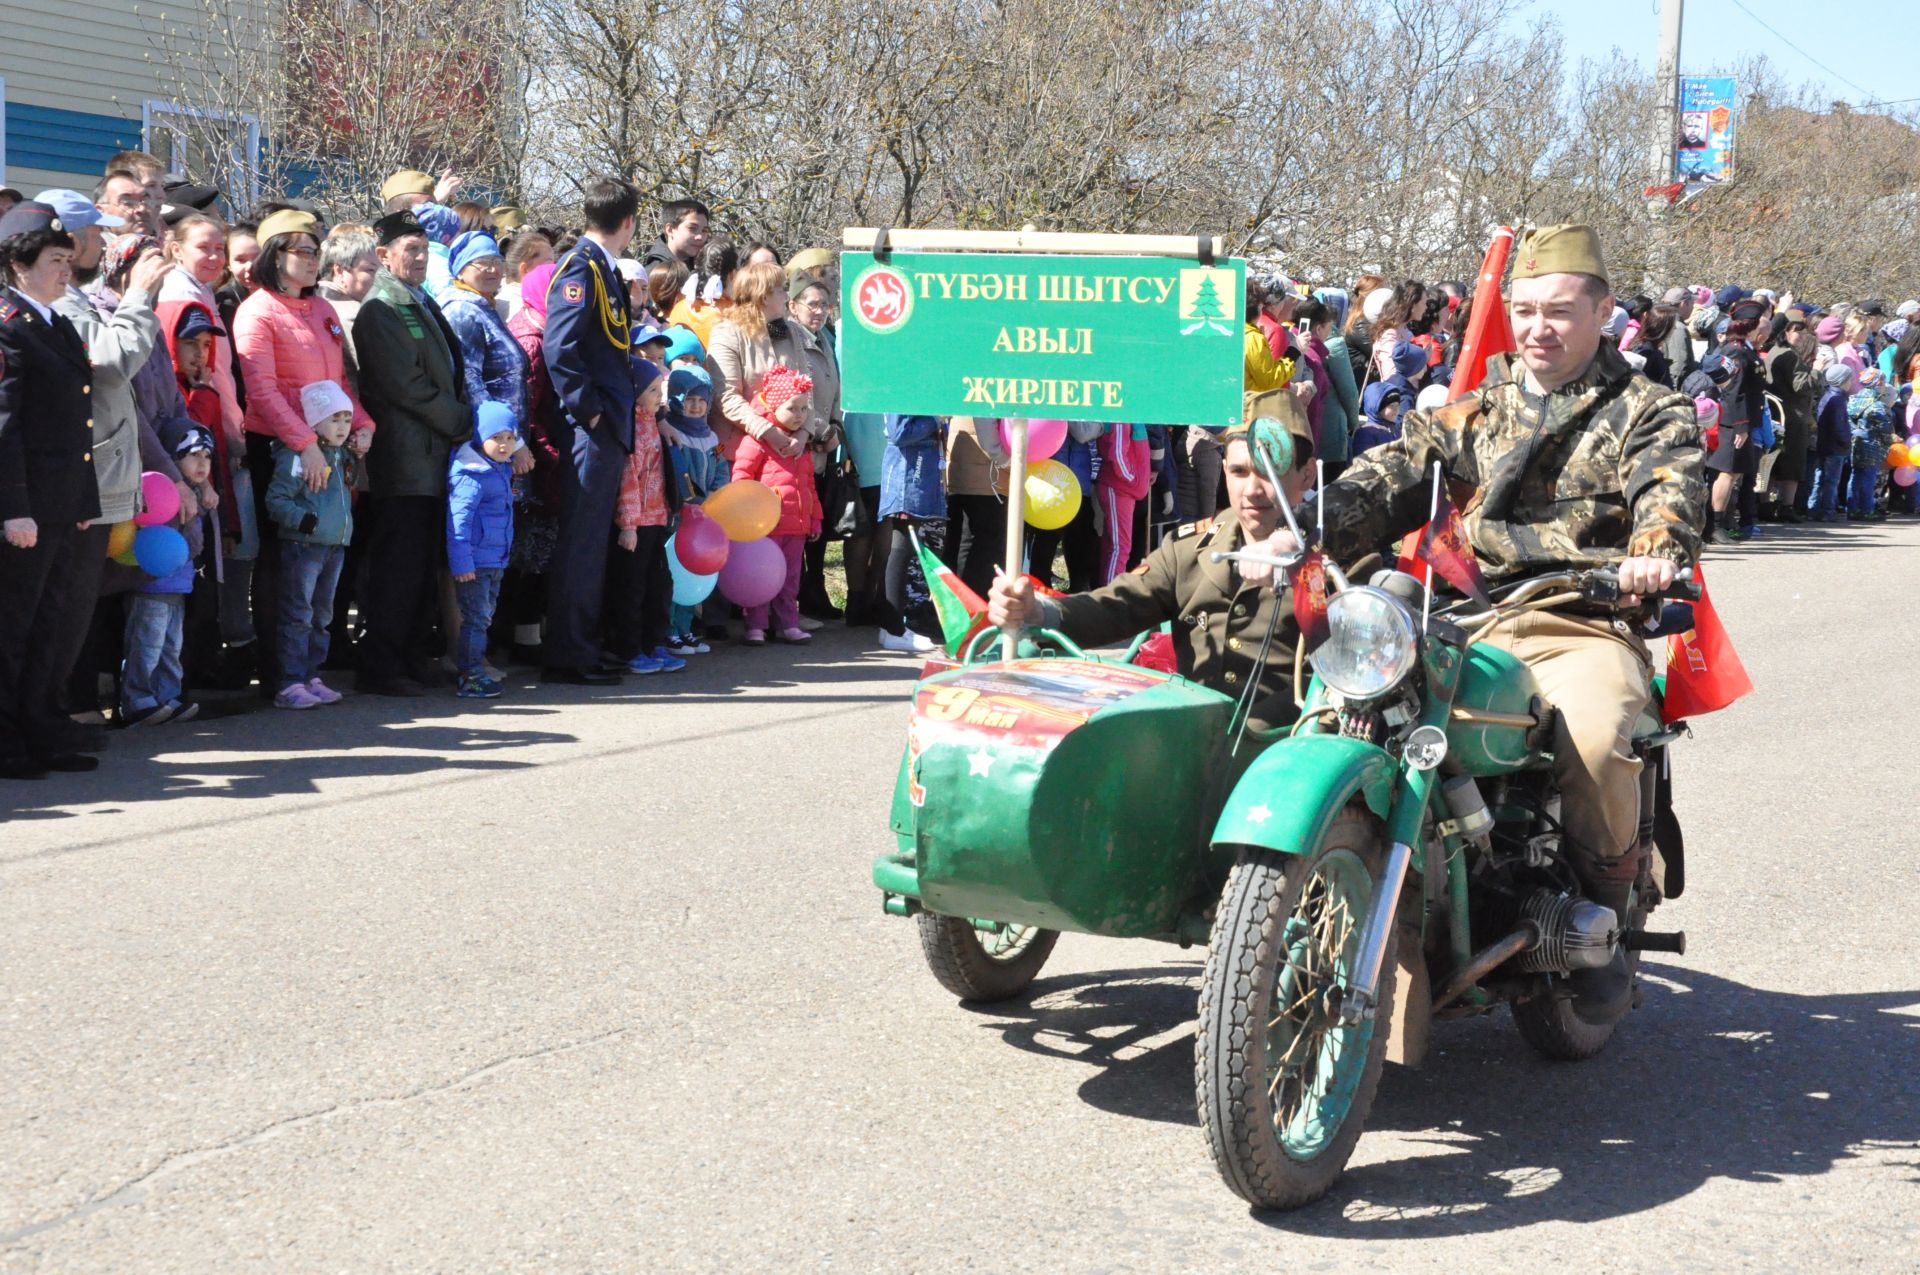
(589, 359)
(48, 490)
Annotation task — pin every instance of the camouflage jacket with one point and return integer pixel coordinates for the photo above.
(1611, 468)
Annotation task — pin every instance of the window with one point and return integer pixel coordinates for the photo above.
(220, 148)
(3, 130)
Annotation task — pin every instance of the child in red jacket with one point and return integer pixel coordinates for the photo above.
(784, 399)
(1126, 478)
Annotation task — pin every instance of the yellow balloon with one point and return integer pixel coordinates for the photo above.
(1053, 495)
(746, 509)
(120, 541)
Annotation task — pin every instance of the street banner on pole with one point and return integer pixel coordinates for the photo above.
(1704, 155)
(1090, 338)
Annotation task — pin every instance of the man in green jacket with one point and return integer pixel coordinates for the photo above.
(412, 384)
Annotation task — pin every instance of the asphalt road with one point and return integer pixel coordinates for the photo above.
(587, 982)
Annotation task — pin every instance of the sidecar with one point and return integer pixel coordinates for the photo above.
(1055, 794)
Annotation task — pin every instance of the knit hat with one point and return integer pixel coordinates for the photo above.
(1706, 411)
(1701, 295)
(682, 342)
(396, 226)
(493, 417)
(472, 246)
(1907, 309)
(1840, 377)
(1374, 304)
(1896, 330)
(1829, 329)
(322, 399)
(1408, 359)
(780, 386)
(439, 222)
(193, 439)
(645, 373)
(194, 320)
(684, 383)
(533, 288)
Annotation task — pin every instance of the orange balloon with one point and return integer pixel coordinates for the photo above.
(745, 509)
(120, 540)
(1898, 455)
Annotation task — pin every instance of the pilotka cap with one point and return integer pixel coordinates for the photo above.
(1565, 249)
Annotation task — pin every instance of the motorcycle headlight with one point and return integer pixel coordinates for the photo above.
(1370, 645)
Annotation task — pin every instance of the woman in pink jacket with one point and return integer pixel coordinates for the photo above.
(287, 337)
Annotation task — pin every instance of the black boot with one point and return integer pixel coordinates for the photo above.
(1603, 996)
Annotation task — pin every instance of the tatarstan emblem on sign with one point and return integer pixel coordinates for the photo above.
(1201, 305)
(882, 299)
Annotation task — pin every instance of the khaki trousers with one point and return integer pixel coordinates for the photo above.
(1600, 680)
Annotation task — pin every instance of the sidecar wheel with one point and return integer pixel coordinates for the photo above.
(981, 965)
(1283, 1088)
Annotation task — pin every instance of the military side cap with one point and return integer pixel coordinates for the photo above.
(1564, 249)
(397, 226)
(1279, 405)
(507, 217)
(29, 215)
(408, 181)
(288, 221)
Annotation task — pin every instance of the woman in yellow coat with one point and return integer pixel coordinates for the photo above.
(1265, 370)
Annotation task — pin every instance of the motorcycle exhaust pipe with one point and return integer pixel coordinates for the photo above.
(1484, 962)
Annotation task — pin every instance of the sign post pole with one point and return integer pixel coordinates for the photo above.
(1016, 519)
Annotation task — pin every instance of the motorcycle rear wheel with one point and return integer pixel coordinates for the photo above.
(983, 965)
(1282, 1087)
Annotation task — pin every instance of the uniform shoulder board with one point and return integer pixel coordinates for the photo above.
(7, 310)
(1201, 527)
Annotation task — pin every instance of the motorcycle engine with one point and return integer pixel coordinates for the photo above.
(1575, 933)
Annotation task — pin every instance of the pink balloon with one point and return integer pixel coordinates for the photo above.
(754, 572)
(161, 497)
(701, 543)
(1043, 438)
(1905, 475)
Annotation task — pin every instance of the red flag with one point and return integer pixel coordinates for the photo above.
(1488, 331)
(1704, 673)
(1310, 598)
(1444, 543)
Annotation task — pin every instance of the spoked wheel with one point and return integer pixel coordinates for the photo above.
(1283, 1087)
(988, 964)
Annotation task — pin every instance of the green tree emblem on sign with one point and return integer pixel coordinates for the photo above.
(1200, 305)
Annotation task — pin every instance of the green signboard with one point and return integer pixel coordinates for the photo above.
(1153, 339)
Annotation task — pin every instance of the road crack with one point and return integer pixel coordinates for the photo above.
(135, 1188)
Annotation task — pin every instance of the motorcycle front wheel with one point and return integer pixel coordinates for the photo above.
(983, 964)
(1282, 1086)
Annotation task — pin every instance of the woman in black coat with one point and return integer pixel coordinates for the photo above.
(48, 493)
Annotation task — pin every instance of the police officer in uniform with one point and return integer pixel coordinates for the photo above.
(590, 362)
(48, 491)
(1220, 620)
(1564, 459)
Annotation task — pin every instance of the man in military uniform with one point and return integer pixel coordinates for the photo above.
(1220, 619)
(1565, 458)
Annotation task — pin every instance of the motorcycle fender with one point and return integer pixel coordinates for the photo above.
(1294, 791)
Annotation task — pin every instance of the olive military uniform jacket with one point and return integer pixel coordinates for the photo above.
(1605, 466)
(1219, 622)
(46, 418)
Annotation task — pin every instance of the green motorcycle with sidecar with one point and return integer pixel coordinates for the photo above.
(1392, 857)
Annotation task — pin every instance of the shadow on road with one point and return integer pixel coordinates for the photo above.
(1781, 537)
(1710, 1079)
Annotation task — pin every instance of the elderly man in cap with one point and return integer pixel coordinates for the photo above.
(412, 382)
(1220, 618)
(1567, 459)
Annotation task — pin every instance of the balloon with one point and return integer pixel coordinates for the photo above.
(1905, 475)
(700, 545)
(127, 559)
(1913, 444)
(160, 551)
(1043, 438)
(120, 542)
(689, 589)
(1897, 456)
(1053, 495)
(754, 572)
(745, 509)
(161, 498)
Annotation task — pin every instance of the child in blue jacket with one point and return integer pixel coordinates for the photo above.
(314, 529)
(698, 469)
(480, 537)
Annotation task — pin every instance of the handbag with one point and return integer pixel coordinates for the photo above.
(843, 513)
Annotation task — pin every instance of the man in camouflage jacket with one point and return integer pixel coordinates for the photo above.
(1567, 457)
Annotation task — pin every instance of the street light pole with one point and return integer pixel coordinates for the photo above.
(1667, 126)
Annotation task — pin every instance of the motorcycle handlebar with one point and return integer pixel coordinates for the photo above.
(1602, 584)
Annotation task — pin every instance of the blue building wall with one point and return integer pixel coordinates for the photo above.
(62, 141)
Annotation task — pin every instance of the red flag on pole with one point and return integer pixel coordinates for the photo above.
(1488, 331)
(1704, 673)
(1310, 599)
(1444, 544)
